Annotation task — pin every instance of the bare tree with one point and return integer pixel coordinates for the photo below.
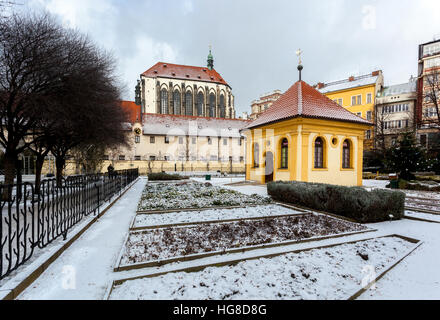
(430, 97)
(32, 65)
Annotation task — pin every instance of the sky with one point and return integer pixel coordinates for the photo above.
(254, 41)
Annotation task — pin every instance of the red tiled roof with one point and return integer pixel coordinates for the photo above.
(177, 71)
(133, 111)
(301, 100)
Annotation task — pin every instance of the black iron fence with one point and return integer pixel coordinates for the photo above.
(31, 221)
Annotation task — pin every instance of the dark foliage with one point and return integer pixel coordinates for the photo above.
(162, 176)
(351, 202)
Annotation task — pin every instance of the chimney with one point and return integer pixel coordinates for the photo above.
(351, 78)
(375, 73)
(320, 85)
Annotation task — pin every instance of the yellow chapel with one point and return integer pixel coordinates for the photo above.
(305, 136)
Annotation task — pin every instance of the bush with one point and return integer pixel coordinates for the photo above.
(162, 176)
(351, 202)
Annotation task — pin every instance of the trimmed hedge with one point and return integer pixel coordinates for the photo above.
(162, 176)
(351, 202)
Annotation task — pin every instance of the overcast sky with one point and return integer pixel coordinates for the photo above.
(254, 42)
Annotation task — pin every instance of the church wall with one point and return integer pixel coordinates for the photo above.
(152, 97)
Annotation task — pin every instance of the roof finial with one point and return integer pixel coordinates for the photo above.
(210, 59)
(300, 67)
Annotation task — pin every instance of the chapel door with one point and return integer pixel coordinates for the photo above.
(268, 166)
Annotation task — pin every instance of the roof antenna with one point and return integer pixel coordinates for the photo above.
(300, 67)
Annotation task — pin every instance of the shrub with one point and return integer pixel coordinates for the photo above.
(351, 202)
(162, 176)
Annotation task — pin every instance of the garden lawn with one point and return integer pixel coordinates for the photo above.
(328, 273)
(192, 194)
(147, 220)
(174, 242)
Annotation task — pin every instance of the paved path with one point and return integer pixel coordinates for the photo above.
(85, 269)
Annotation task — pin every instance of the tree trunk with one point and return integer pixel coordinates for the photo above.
(59, 163)
(9, 165)
(38, 168)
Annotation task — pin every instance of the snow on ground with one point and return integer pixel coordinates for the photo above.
(370, 183)
(417, 277)
(421, 215)
(193, 194)
(166, 243)
(94, 254)
(145, 220)
(330, 273)
(83, 270)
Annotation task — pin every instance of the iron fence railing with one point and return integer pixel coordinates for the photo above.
(30, 221)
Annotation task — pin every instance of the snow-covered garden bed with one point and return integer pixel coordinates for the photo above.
(192, 194)
(167, 243)
(421, 215)
(424, 203)
(329, 273)
(147, 220)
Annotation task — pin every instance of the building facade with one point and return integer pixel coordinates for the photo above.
(306, 137)
(264, 103)
(175, 89)
(395, 113)
(357, 95)
(428, 95)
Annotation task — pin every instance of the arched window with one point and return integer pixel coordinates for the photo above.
(212, 105)
(200, 104)
(319, 153)
(256, 155)
(176, 100)
(284, 153)
(164, 101)
(222, 107)
(189, 103)
(346, 155)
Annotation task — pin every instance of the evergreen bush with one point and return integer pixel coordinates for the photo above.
(162, 176)
(351, 202)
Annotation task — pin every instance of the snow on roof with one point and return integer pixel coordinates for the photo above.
(174, 125)
(302, 100)
(409, 87)
(347, 84)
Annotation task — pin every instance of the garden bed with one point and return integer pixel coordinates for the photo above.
(180, 217)
(422, 216)
(192, 194)
(168, 243)
(335, 272)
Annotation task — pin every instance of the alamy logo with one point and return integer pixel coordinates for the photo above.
(69, 278)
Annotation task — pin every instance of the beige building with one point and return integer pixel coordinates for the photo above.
(175, 143)
(395, 112)
(265, 102)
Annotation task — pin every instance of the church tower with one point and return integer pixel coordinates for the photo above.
(210, 60)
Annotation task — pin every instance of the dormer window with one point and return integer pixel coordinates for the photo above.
(187, 75)
(173, 74)
(164, 65)
(155, 71)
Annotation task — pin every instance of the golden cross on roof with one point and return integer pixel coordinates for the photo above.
(298, 53)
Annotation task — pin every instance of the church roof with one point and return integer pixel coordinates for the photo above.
(301, 100)
(182, 72)
(175, 125)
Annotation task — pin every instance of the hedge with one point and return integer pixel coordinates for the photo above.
(351, 202)
(162, 176)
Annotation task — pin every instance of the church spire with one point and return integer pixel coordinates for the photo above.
(210, 60)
